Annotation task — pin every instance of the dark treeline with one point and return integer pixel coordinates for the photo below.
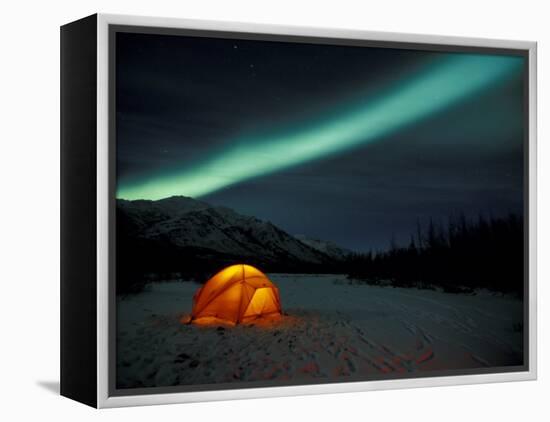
(458, 256)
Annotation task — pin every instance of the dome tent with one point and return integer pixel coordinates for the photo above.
(239, 293)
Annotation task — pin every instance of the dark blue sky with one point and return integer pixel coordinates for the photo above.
(180, 98)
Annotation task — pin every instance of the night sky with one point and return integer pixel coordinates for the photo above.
(348, 144)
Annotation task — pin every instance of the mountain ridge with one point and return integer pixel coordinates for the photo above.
(181, 234)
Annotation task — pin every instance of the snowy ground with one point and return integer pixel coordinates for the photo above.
(331, 330)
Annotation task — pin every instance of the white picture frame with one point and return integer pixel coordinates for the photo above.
(102, 213)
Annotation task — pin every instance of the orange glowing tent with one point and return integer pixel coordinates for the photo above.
(239, 293)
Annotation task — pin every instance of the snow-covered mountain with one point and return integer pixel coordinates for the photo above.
(328, 248)
(189, 224)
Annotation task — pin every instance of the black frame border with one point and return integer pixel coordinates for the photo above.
(78, 210)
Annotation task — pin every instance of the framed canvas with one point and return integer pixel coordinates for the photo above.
(253, 211)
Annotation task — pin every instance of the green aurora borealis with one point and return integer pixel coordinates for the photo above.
(440, 85)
